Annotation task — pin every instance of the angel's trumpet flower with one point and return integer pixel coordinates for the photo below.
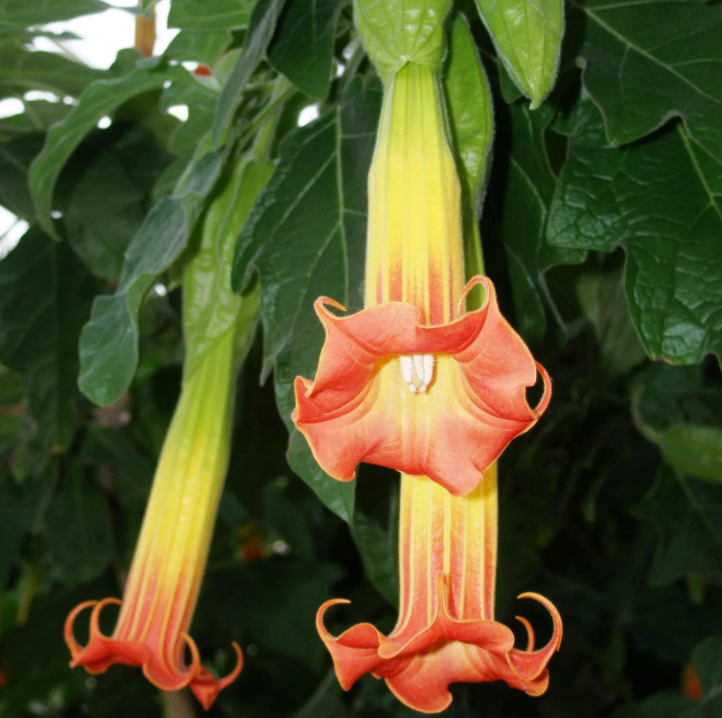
(170, 557)
(413, 382)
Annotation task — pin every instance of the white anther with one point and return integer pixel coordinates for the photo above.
(417, 371)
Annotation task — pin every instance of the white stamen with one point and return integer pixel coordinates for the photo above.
(417, 371)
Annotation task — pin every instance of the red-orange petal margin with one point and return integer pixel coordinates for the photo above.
(448, 651)
(102, 651)
(451, 433)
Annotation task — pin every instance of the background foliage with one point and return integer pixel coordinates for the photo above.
(602, 228)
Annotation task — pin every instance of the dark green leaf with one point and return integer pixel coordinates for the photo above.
(22, 70)
(306, 235)
(302, 48)
(669, 704)
(645, 62)
(15, 159)
(662, 201)
(103, 211)
(263, 25)
(79, 531)
(601, 295)
(531, 184)
(39, 115)
(21, 13)
(210, 15)
(694, 449)
(528, 37)
(45, 295)
(100, 99)
(688, 516)
(707, 661)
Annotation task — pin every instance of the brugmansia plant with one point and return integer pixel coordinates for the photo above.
(481, 202)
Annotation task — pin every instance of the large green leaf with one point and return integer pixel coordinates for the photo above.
(306, 236)
(662, 201)
(688, 516)
(210, 15)
(529, 193)
(102, 212)
(395, 33)
(528, 37)
(669, 704)
(109, 342)
(21, 13)
(647, 61)
(263, 25)
(302, 48)
(101, 98)
(45, 296)
(22, 70)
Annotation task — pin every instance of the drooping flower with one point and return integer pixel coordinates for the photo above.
(411, 382)
(415, 383)
(446, 632)
(170, 557)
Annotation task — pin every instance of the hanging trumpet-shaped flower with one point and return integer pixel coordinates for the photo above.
(169, 561)
(411, 382)
(414, 383)
(170, 557)
(446, 631)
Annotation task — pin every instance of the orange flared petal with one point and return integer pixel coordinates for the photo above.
(448, 651)
(359, 408)
(103, 651)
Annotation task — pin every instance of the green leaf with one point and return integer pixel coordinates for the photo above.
(684, 419)
(662, 201)
(79, 528)
(302, 48)
(696, 450)
(396, 33)
(210, 15)
(471, 121)
(39, 115)
(531, 183)
(45, 295)
(527, 36)
(263, 25)
(645, 62)
(306, 234)
(101, 98)
(687, 514)
(669, 704)
(471, 112)
(22, 70)
(102, 212)
(16, 156)
(21, 13)
(601, 296)
(210, 307)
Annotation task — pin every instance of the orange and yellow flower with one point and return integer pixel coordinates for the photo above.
(412, 382)
(170, 557)
(446, 632)
(415, 383)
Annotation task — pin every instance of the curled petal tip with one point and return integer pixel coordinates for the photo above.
(322, 302)
(227, 680)
(529, 632)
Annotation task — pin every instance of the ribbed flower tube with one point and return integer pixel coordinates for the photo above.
(170, 558)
